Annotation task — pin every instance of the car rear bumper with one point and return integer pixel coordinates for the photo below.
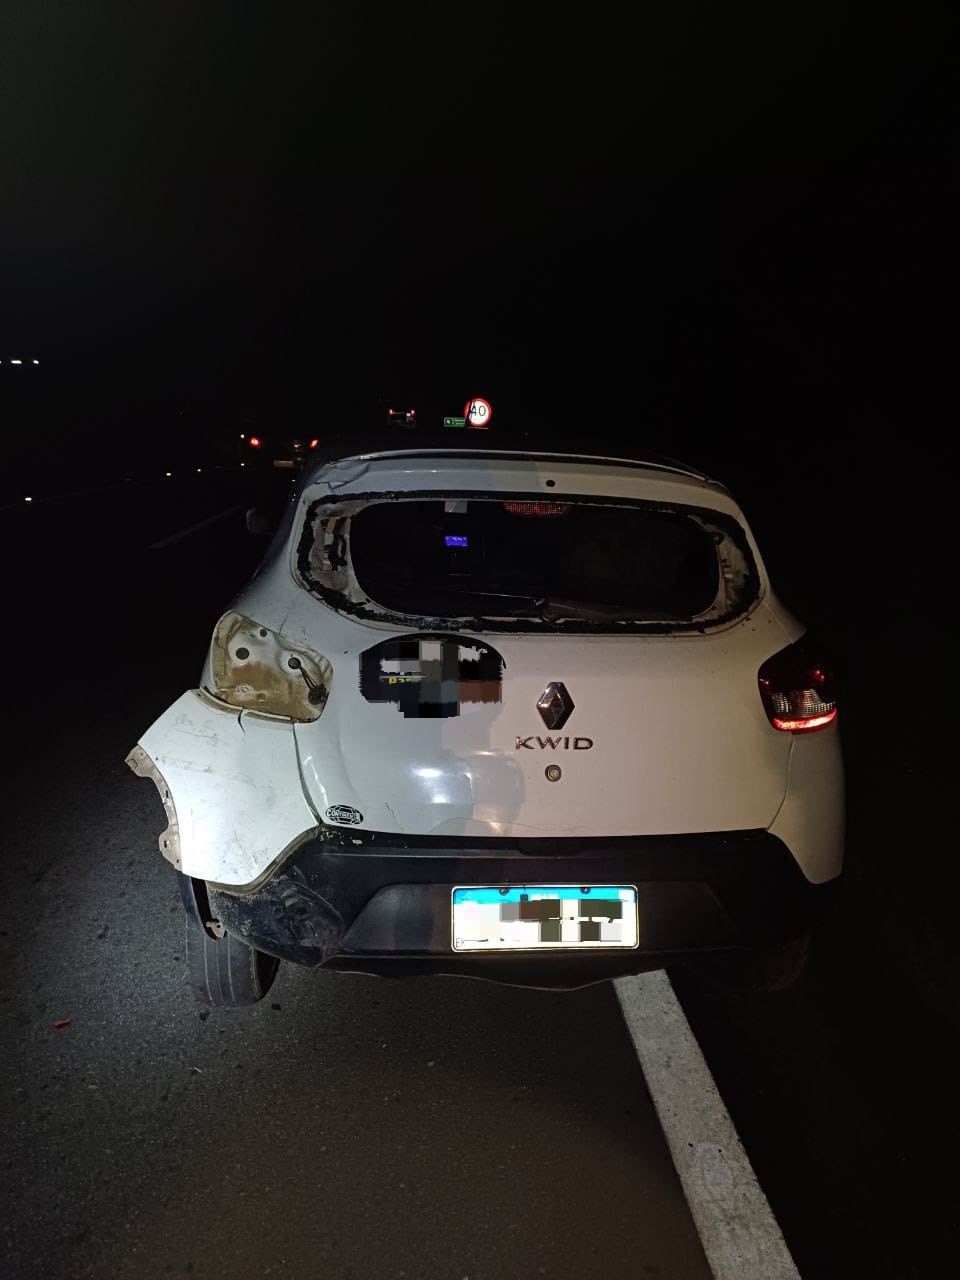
(381, 903)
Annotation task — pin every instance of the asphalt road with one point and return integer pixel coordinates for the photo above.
(355, 1127)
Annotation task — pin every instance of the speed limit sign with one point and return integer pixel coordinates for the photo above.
(478, 413)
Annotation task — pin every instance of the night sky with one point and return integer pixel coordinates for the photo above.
(692, 222)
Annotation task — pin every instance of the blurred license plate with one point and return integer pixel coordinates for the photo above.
(543, 917)
(284, 462)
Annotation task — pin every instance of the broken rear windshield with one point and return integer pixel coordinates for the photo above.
(569, 564)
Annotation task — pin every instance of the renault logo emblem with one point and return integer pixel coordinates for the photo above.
(555, 705)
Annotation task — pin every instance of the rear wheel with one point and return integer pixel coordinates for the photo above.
(225, 971)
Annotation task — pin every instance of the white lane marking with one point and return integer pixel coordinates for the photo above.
(739, 1233)
(194, 528)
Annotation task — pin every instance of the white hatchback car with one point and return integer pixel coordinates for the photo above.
(532, 717)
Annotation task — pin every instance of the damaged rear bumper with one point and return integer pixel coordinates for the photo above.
(230, 785)
(382, 904)
(252, 850)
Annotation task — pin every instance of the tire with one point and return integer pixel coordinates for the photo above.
(225, 971)
(766, 969)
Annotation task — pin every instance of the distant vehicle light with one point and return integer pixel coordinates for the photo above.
(242, 436)
(16, 362)
(168, 473)
(254, 442)
(36, 362)
(28, 499)
(314, 443)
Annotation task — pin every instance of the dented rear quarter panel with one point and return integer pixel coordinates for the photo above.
(234, 784)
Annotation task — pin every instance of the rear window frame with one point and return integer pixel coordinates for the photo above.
(740, 582)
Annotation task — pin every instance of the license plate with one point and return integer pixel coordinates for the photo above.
(544, 917)
(284, 462)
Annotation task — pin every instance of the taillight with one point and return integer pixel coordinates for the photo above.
(537, 508)
(254, 442)
(258, 670)
(798, 690)
(314, 443)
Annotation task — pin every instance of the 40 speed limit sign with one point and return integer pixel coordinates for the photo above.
(478, 413)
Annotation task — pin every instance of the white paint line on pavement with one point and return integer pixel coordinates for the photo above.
(194, 528)
(739, 1233)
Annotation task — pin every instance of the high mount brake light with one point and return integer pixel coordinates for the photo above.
(798, 690)
(537, 508)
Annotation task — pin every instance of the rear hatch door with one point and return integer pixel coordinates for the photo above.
(456, 600)
(444, 735)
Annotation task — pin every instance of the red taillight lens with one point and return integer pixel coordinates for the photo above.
(314, 443)
(798, 690)
(254, 442)
(537, 508)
